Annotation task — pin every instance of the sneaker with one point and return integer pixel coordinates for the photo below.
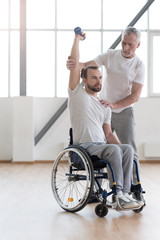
(125, 203)
(139, 197)
(109, 204)
(129, 197)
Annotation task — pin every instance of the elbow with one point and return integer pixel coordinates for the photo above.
(135, 98)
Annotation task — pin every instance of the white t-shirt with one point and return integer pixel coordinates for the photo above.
(121, 72)
(87, 116)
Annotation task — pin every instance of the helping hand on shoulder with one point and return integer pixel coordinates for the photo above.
(106, 103)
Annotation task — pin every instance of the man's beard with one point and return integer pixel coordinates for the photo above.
(94, 88)
(126, 54)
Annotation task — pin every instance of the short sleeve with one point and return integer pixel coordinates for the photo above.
(108, 115)
(75, 90)
(101, 59)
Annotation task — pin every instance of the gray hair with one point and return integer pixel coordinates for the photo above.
(128, 30)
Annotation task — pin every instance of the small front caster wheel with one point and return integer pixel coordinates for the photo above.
(101, 210)
(138, 210)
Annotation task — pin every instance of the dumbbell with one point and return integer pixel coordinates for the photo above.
(78, 30)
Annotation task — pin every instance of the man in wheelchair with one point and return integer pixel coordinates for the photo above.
(90, 122)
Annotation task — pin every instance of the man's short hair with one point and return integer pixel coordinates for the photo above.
(128, 30)
(84, 71)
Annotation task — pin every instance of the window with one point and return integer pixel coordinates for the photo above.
(14, 64)
(40, 14)
(40, 48)
(9, 48)
(117, 14)
(48, 34)
(4, 14)
(40, 63)
(154, 16)
(71, 13)
(154, 69)
(4, 63)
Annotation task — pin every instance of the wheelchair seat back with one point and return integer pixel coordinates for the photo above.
(76, 159)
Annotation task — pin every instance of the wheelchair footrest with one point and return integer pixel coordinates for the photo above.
(117, 206)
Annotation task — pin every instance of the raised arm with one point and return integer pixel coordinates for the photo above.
(75, 72)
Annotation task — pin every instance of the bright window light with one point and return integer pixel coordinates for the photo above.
(14, 64)
(4, 64)
(40, 14)
(86, 14)
(40, 64)
(3, 14)
(117, 14)
(156, 68)
(142, 54)
(154, 19)
(14, 14)
(109, 38)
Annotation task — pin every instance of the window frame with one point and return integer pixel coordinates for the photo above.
(151, 34)
(23, 30)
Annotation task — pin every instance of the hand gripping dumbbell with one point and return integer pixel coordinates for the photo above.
(78, 30)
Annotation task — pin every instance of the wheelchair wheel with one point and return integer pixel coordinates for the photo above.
(101, 210)
(72, 179)
(103, 182)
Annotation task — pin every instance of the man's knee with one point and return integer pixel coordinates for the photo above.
(112, 150)
(128, 149)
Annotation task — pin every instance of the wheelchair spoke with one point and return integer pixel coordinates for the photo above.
(71, 182)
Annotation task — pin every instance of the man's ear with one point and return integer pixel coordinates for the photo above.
(138, 44)
(84, 80)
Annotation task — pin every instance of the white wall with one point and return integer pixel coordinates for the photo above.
(54, 140)
(23, 129)
(147, 112)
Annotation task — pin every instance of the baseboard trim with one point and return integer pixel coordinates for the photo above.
(5, 161)
(150, 161)
(33, 162)
(27, 162)
(52, 161)
(44, 161)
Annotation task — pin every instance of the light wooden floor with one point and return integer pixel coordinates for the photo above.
(28, 210)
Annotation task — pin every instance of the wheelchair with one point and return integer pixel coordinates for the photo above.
(77, 176)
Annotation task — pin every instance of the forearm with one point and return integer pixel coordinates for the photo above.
(111, 139)
(75, 73)
(130, 99)
(125, 102)
(75, 50)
